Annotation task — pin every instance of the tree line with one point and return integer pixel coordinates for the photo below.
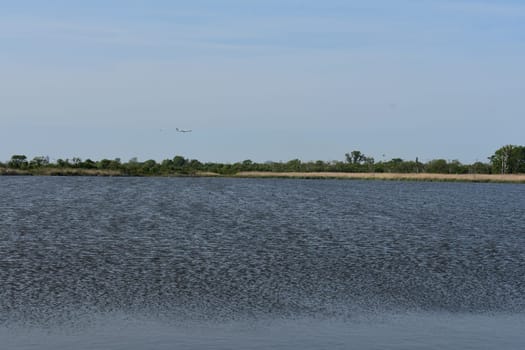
(509, 159)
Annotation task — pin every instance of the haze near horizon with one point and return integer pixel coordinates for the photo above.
(261, 80)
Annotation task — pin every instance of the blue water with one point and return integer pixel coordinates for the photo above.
(198, 263)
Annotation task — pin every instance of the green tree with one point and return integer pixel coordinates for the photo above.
(38, 162)
(61, 163)
(455, 167)
(18, 161)
(76, 162)
(167, 165)
(398, 165)
(88, 164)
(319, 165)
(293, 165)
(509, 159)
(355, 157)
(246, 165)
(150, 167)
(195, 165)
(132, 167)
(439, 166)
(178, 162)
(479, 168)
(104, 164)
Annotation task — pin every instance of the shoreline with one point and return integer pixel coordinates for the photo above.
(429, 177)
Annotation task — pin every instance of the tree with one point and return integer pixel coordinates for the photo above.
(104, 163)
(88, 164)
(355, 157)
(167, 164)
(76, 162)
(179, 161)
(246, 165)
(18, 161)
(195, 164)
(509, 159)
(437, 166)
(293, 165)
(479, 168)
(455, 167)
(150, 167)
(319, 165)
(38, 162)
(368, 160)
(63, 163)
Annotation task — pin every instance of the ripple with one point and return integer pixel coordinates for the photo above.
(227, 249)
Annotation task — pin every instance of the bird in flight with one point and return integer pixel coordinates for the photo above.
(182, 130)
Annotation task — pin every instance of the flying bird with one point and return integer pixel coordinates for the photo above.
(182, 130)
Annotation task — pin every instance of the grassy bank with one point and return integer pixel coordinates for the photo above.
(516, 178)
(88, 172)
(60, 172)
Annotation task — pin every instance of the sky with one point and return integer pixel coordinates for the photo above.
(269, 80)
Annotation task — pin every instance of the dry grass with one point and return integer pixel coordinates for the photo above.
(77, 172)
(8, 171)
(90, 172)
(60, 172)
(517, 178)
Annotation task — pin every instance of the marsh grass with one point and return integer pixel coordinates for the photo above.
(8, 171)
(92, 172)
(511, 178)
(76, 172)
(514, 178)
(60, 172)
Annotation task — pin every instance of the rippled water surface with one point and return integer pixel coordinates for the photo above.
(202, 263)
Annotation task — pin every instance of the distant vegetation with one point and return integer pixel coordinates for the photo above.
(509, 159)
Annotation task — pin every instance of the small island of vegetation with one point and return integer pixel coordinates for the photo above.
(507, 164)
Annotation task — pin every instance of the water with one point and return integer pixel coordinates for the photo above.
(140, 263)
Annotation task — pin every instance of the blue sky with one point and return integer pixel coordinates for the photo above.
(261, 80)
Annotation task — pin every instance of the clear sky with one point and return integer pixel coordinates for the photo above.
(261, 80)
